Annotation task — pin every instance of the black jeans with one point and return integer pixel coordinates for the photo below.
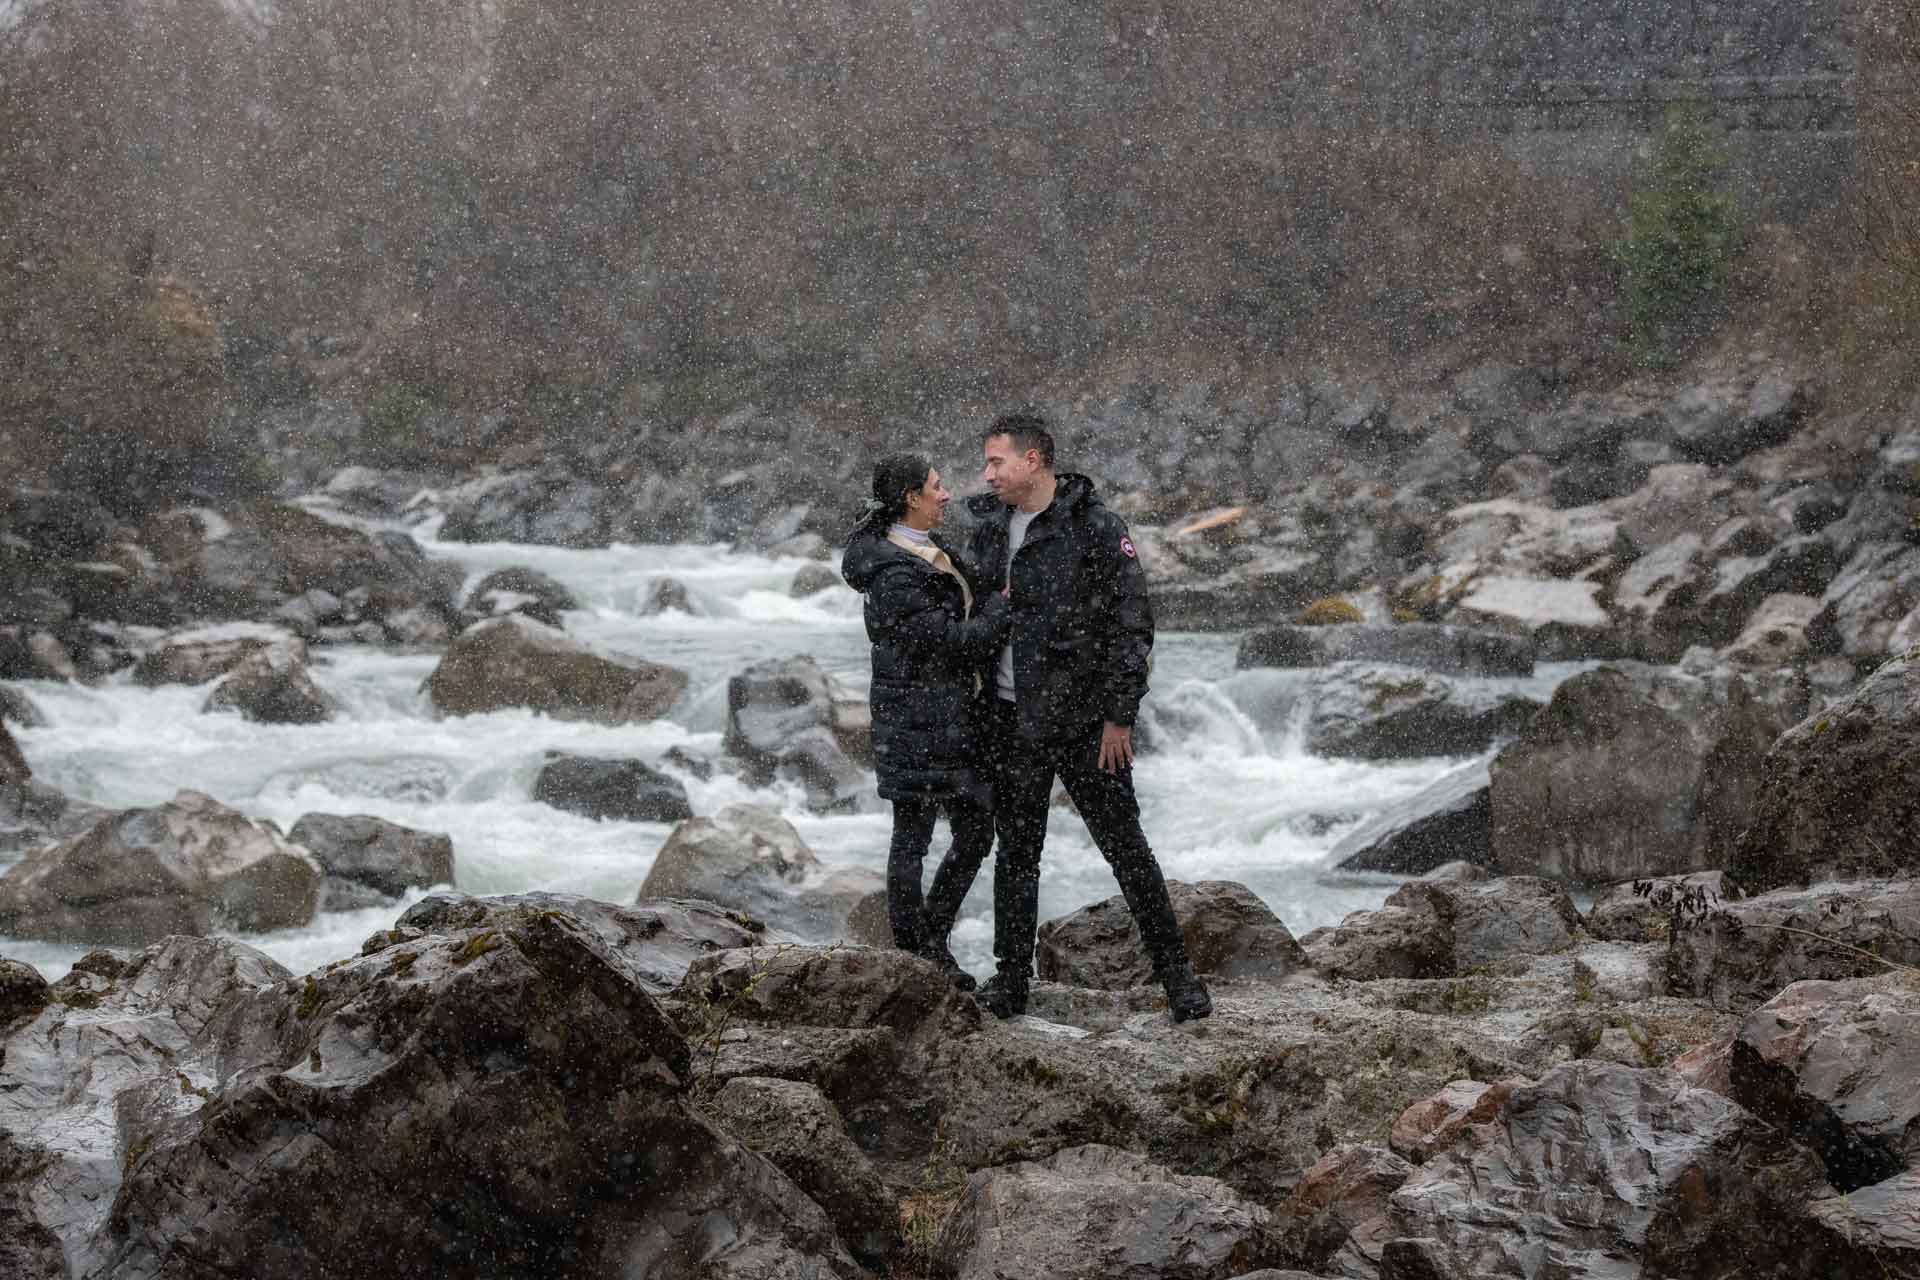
(1023, 774)
(916, 923)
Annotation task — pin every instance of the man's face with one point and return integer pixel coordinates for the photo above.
(1009, 473)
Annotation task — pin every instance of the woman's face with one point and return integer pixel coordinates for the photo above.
(927, 505)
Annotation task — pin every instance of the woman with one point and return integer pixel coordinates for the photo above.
(934, 641)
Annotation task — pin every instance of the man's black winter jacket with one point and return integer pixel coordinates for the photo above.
(930, 664)
(1082, 626)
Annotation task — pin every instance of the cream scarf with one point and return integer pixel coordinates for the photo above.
(938, 559)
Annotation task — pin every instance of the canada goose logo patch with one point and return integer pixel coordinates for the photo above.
(1126, 549)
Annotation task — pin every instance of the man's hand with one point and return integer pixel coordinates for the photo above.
(1116, 748)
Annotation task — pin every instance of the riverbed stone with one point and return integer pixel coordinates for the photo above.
(202, 654)
(751, 860)
(1498, 918)
(1448, 821)
(23, 992)
(1410, 937)
(1642, 910)
(188, 866)
(373, 853)
(272, 686)
(513, 661)
(1333, 1218)
(520, 589)
(597, 787)
(1229, 932)
(1372, 711)
(787, 718)
(1423, 645)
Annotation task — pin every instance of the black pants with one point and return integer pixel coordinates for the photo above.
(1023, 775)
(915, 922)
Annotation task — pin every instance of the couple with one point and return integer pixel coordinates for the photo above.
(995, 670)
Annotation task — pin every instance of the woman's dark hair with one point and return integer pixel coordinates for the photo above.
(893, 478)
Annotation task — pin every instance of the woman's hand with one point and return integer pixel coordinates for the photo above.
(1116, 747)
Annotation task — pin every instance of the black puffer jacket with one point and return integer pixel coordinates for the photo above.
(929, 663)
(1082, 626)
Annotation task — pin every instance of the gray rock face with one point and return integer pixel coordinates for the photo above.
(1448, 821)
(1873, 1227)
(14, 770)
(753, 861)
(1837, 798)
(1865, 611)
(33, 814)
(1631, 771)
(373, 853)
(544, 508)
(627, 790)
(187, 866)
(1641, 910)
(793, 1125)
(516, 662)
(1722, 422)
(787, 718)
(1636, 1150)
(527, 1061)
(23, 992)
(1437, 1124)
(1426, 646)
(272, 686)
(811, 580)
(1741, 954)
(18, 709)
(518, 589)
(1411, 937)
(206, 653)
(657, 941)
(1834, 1063)
(1097, 1212)
(1373, 712)
(1333, 1218)
(1506, 916)
(1229, 933)
(1775, 634)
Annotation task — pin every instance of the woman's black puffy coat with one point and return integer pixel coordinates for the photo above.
(930, 662)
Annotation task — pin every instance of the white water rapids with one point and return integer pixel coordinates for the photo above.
(1226, 794)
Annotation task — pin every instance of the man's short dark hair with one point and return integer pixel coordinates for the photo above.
(1027, 431)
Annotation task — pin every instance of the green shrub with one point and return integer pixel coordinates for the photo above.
(1681, 238)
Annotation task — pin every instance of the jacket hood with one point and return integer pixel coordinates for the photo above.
(869, 552)
(1072, 490)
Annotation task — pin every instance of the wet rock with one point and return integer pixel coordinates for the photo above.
(272, 686)
(1458, 873)
(1333, 1218)
(1865, 608)
(1563, 618)
(787, 718)
(664, 595)
(1094, 1211)
(33, 814)
(530, 1065)
(1834, 1063)
(206, 653)
(811, 580)
(18, 709)
(752, 861)
(23, 992)
(1642, 910)
(1411, 937)
(657, 941)
(119, 1048)
(842, 986)
(542, 508)
(14, 770)
(1837, 798)
(1775, 635)
(1448, 821)
(627, 790)
(1870, 1231)
(1228, 931)
(518, 589)
(1442, 1122)
(1638, 1150)
(867, 923)
(1374, 712)
(1723, 421)
(516, 662)
(1495, 919)
(371, 492)
(1678, 752)
(1426, 646)
(793, 1125)
(373, 853)
(188, 866)
(1741, 954)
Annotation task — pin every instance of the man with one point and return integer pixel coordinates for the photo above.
(1067, 692)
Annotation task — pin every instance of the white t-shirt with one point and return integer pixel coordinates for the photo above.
(1016, 535)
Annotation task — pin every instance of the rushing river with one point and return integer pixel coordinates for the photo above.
(1227, 792)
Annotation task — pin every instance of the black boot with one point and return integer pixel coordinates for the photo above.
(1187, 996)
(939, 954)
(1005, 995)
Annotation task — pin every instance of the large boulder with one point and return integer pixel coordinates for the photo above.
(497, 1100)
(1449, 820)
(753, 861)
(188, 866)
(207, 653)
(1669, 1180)
(1739, 954)
(1228, 931)
(1837, 798)
(364, 855)
(1375, 712)
(1498, 918)
(787, 718)
(514, 662)
(33, 814)
(23, 992)
(1836, 1065)
(272, 686)
(1410, 937)
(1102, 1214)
(1334, 1215)
(1563, 618)
(1873, 1227)
(1457, 651)
(626, 790)
(1632, 771)
(518, 589)
(1441, 1122)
